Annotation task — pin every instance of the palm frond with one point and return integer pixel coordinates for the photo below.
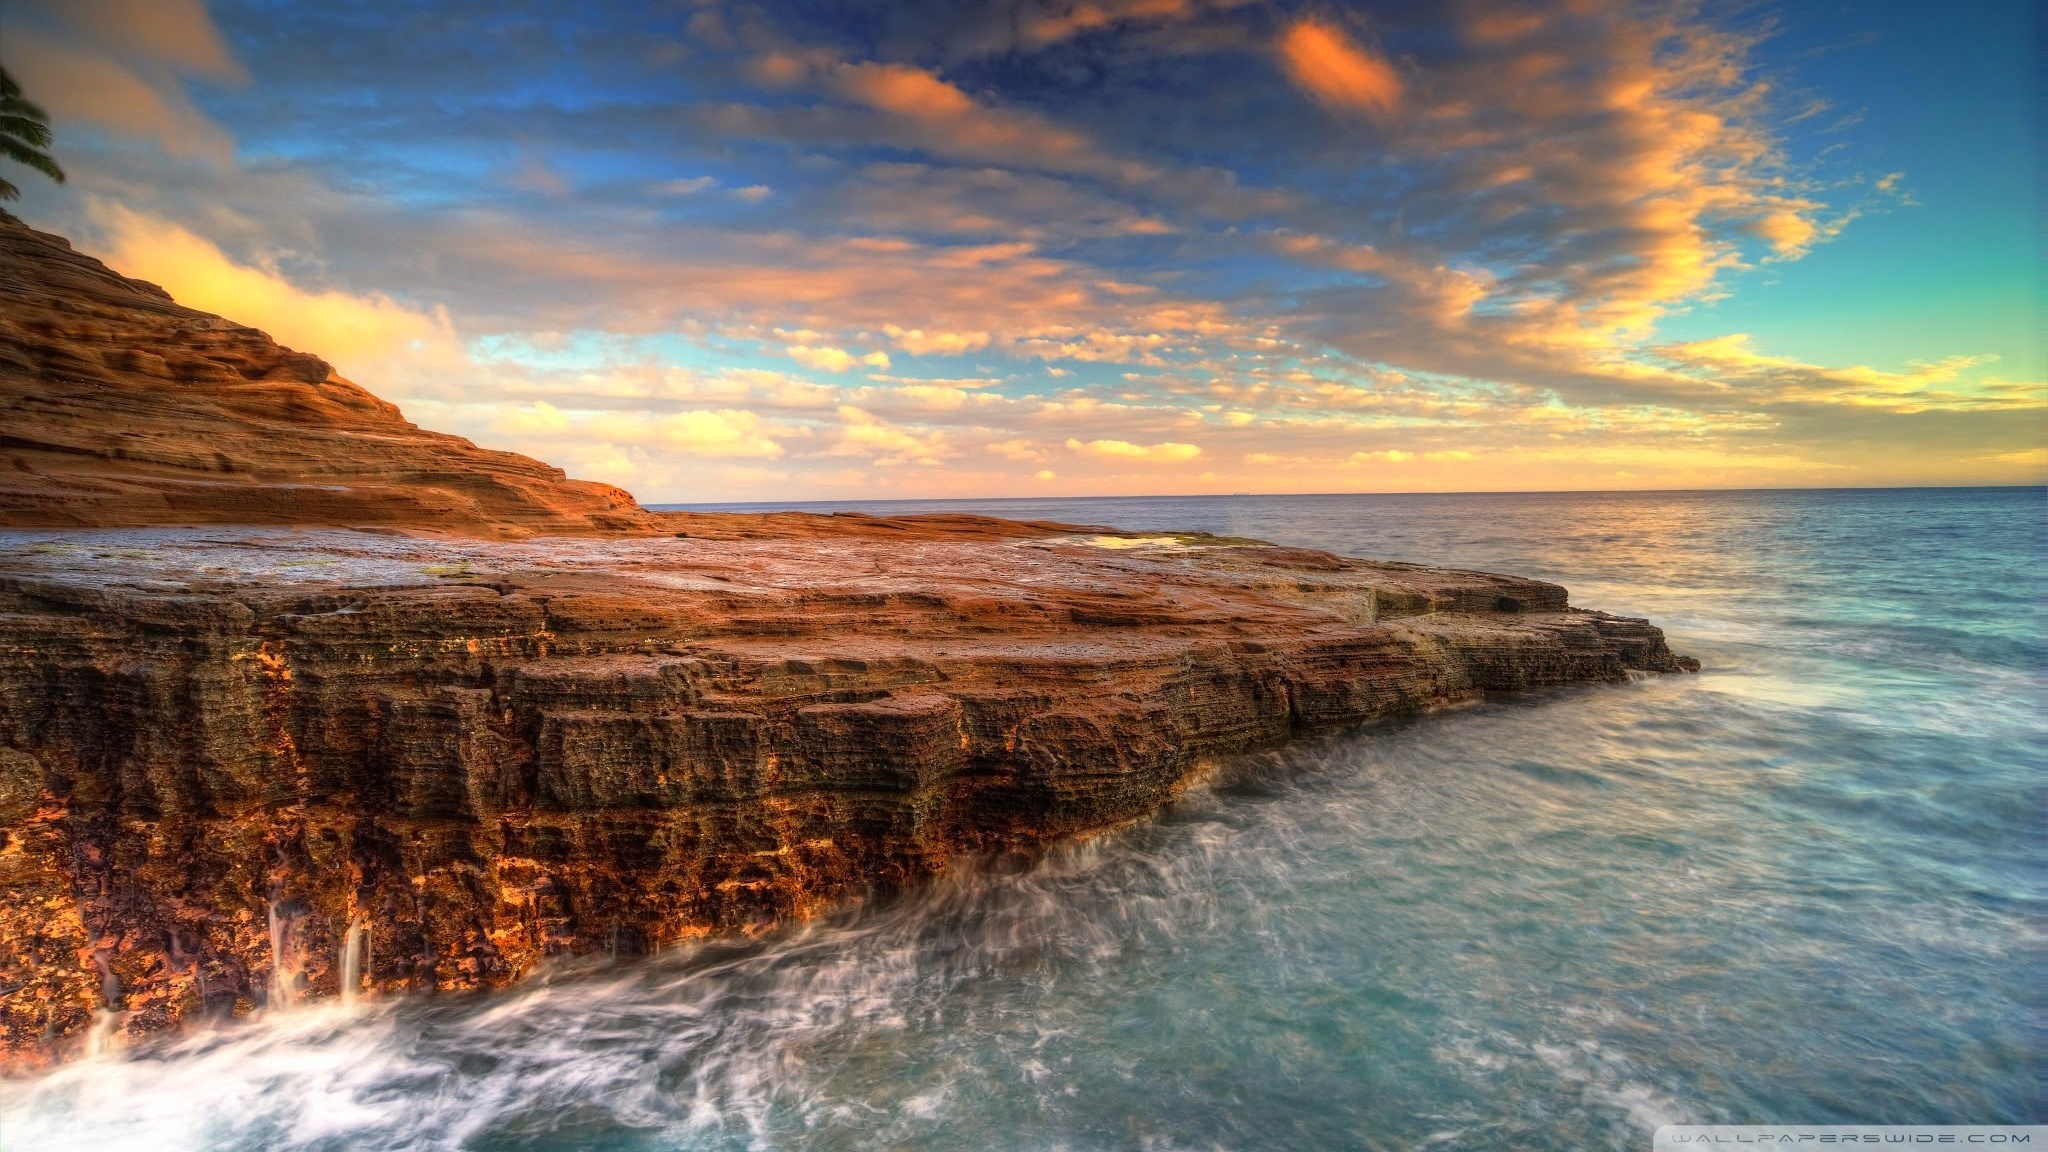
(24, 134)
(30, 132)
(23, 106)
(22, 154)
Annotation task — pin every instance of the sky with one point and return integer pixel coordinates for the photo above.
(718, 251)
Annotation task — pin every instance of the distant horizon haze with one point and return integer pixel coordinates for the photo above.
(675, 505)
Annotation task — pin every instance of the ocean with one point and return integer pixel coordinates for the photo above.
(1804, 886)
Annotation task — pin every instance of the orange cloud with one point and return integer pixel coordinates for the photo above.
(179, 33)
(949, 120)
(925, 111)
(1495, 26)
(359, 333)
(117, 63)
(1338, 73)
(834, 359)
(865, 434)
(904, 90)
(1021, 450)
(1045, 27)
(723, 433)
(1168, 453)
(918, 342)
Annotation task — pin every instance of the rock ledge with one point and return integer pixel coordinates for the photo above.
(490, 714)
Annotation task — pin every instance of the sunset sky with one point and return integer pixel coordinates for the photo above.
(745, 251)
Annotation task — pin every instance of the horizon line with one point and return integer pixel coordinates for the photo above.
(670, 505)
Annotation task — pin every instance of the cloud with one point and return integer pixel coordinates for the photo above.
(722, 433)
(1167, 453)
(903, 90)
(175, 33)
(2035, 459)
(918, 342)
(1043, 24)
(534, 174)
(539, 417)
(1613, 164)
(1745, 376)
(834, 359)
(119, 65)
(1019, 450)
(631, 446)
(864, 434)
(1338, 73)
(923, 110)
(362, 334)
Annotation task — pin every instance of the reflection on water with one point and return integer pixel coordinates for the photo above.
(1796, 888)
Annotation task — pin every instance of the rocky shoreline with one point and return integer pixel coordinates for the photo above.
(456, 713)
(237, 763)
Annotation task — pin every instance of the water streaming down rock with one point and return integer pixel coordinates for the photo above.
(103, 1038)
(284, 960)
(108, 1019)
(355, 945)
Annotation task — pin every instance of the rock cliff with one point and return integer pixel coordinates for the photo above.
(241, 765)
(120, 406)
(236, 764)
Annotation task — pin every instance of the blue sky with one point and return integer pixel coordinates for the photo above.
(730, 251)
(1941, 93)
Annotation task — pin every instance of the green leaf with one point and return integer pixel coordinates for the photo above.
(21, 153)
(26, 130)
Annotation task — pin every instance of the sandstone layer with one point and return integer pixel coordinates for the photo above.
(223, 750)
(120, 406)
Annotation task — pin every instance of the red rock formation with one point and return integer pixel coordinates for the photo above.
(488, 752)
(120, 406)
(226, 753)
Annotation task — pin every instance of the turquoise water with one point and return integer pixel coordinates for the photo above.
(1803, 886)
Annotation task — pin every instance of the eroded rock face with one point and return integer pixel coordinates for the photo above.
(224, 748)
(119, 406)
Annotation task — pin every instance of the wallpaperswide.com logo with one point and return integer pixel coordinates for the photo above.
(1773, 1137)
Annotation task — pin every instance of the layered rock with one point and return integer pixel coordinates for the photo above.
(507, 715)
(120, 406)
(225, 749)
